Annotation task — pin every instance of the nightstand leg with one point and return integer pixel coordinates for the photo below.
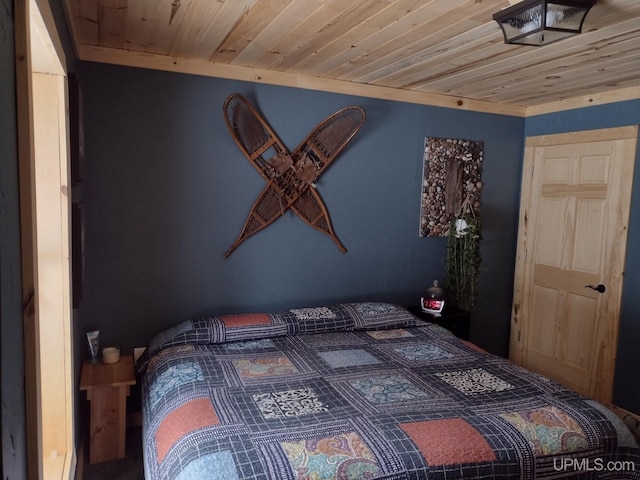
(107, 423)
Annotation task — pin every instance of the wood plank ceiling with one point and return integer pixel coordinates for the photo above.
(443, 52)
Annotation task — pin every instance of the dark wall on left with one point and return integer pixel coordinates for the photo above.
(14, 461)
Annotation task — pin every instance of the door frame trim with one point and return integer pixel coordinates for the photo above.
(518, 322)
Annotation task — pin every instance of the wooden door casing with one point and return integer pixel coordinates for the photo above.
(574, 212)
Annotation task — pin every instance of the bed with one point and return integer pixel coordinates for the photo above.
(360, 391)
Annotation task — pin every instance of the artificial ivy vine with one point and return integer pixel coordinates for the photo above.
(463, 260)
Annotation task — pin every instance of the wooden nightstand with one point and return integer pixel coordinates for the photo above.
(107, 389)
(453, 319)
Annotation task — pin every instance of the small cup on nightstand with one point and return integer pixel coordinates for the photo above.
(110, 355)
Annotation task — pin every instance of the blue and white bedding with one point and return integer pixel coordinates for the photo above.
(361, 391)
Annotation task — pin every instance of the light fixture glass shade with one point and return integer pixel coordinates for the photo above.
(539, 22)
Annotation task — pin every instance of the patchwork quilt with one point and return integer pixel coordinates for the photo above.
(361, 391)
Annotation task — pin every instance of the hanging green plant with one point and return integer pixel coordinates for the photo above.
(463, 259)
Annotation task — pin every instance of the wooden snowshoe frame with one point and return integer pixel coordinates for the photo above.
(290, 176)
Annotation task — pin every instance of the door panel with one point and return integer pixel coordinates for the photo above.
(546, 305)
(580, 330)
(572, 233)
(550, 232)
(590, 218)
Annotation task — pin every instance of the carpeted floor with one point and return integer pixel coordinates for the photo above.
(128, 468)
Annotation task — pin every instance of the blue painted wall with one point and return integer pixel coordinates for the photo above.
(166, 191)
(627, 386)
(14, 462)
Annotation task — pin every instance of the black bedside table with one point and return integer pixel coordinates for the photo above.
(455, 320)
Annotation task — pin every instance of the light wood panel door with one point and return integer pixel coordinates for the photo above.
(572, 238)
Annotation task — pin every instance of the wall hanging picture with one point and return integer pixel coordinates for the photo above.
(291, 176)
(451, 177)
(450, 206)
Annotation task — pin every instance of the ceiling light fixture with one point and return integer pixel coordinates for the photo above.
(539, 22)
